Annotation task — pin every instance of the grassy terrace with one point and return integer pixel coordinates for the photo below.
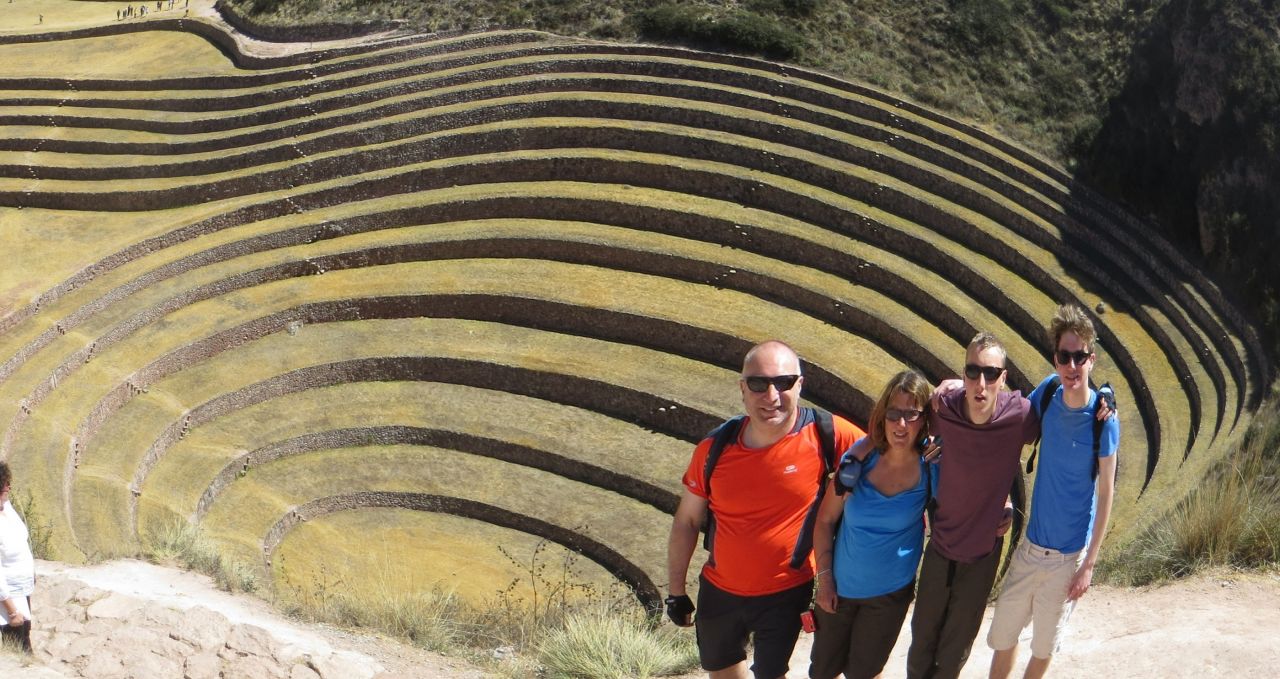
(406, 289)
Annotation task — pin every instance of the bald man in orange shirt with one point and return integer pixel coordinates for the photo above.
(755, 584)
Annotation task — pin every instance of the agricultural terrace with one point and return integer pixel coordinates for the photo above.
(367, 311)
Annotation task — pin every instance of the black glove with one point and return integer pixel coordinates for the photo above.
(680, 609)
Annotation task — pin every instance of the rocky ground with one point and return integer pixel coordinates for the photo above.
(130, 619)
(133, 619)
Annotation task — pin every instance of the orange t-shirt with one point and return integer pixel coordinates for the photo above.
(760, 497)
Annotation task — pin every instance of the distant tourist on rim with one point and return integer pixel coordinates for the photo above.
(758, 497)
(1070, 505)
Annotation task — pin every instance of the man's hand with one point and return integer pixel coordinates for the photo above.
(680, 609)
(1107, 408)
(933, 450)
(944, 387)
(825, 595)
(16, 620)
(1006, 522)
(1080, 583)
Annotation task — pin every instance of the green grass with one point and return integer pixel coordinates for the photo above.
(608, 644)
(39, 527)
(184, 544)
(1231, 520)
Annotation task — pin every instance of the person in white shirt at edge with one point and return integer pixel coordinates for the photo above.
(17, 570)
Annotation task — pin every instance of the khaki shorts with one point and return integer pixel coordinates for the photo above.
(1035, 591)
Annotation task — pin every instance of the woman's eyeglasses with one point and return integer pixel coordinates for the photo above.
(893, 415)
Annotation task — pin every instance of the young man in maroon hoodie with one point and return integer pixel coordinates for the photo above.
(983, 428)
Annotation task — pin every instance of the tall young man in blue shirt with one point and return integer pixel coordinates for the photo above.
(1070, 505)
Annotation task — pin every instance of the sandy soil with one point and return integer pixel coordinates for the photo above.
(1215, 625)
(1221, 625)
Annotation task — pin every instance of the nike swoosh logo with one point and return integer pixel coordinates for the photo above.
(904, 552)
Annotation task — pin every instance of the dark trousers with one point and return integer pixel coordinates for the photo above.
(950, 601)
(857, 639)
(18, 637)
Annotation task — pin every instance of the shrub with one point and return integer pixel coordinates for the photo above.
(182, 543)
(671, 21)
(740, 30)
(752, 32)
(606, 642)
(1230, 520)
(39, 528)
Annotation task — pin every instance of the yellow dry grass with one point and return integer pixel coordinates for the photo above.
(625, 525)
(176, 485)
(369, 552)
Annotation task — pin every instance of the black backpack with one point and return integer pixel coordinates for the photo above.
(1046, 397)
(727, 433)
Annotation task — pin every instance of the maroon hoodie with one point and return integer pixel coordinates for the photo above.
(979, 462)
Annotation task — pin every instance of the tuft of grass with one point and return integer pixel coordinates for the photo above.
(607, 643)
(12, 649)
(436, 619)
(39, 528)
(1231, 520)
(182, 543)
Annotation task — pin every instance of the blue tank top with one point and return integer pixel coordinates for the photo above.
(881, 537)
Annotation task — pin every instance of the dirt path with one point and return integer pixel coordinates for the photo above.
(1207, 626)
(1222, 625)
(1216, 625)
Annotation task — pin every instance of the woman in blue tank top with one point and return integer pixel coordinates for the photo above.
(867, 566)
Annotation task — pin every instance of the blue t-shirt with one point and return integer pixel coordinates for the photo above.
(881, 537)
(1065, 499)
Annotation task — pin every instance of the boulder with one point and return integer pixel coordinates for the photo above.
(115, 606)
(345, 665)
(202, 628)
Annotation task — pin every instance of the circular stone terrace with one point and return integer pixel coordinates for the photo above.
(443, 293)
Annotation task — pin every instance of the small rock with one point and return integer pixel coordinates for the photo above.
(252, 667)
(344, 665)
(252, 640)
(203, 665)
(203, 628)
(1101, 308)
(302, 672)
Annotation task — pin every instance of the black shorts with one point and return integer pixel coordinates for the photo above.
(725, 621)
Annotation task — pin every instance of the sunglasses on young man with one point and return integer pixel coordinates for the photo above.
(991, 372)
(760, 384)
(1062, 357)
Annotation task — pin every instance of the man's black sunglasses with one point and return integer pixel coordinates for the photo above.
(991, 372)
(1063, 357)
(760, 384)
